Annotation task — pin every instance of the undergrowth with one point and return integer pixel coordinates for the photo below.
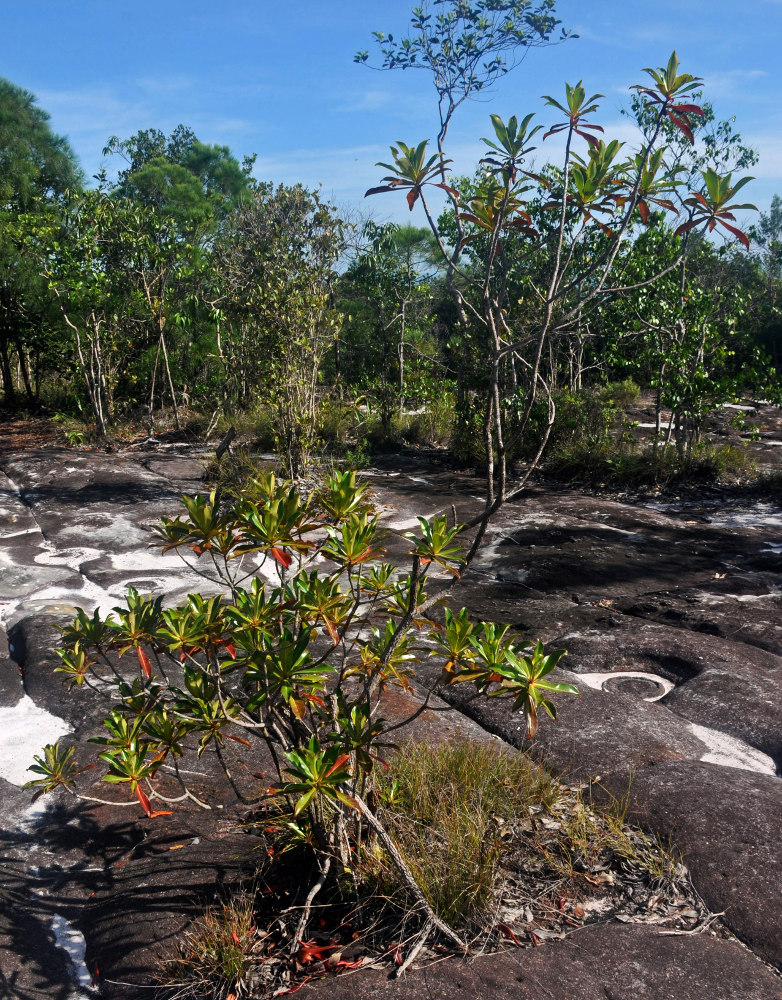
(446, 807)
(502, 850)
(623, 464)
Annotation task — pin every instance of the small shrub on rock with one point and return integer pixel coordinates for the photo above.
(288, 663)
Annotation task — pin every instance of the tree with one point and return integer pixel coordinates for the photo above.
(689, 335)
(120, 273)
(37, 167)
(36, 164)
(691, 314)
(467, 45)
(273, 299)
(386, 292)
(195, 184)
(767, 235)
(599, 198)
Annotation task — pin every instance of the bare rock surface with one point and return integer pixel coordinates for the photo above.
(726, 822)
(669, 610)
(134, 920)
(597, 963)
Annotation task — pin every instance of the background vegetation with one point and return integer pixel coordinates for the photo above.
(187, 294)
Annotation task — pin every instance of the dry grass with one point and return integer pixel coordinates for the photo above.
(213, 953)
(449, 808)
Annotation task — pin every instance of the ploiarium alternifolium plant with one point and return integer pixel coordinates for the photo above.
(534, 252)
(310, 628)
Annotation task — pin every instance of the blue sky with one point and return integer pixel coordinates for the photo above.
(278, 79)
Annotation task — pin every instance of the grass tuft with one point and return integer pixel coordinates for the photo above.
(448, 808)
(213, 953)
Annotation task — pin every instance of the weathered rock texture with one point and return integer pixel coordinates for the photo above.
(687, 594)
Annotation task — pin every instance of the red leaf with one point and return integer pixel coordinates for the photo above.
(412, 197)
(311, 952)
(643, 209)
(685, 227)
(143, 800)
(296, 988)
(690, 109)
(143, 660)
(238, 739)
(379, 190)
(332, 631)
(236, 940)
(449, 189)
(736, 232)
(682, 125)
(397, 955)
(282, 557)
(337, 764)
(230, 649)
(589, 138)
(508, 933)
(553, 130)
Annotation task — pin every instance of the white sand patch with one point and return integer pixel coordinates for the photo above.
(37, 811)
(762, 515)
(731, 752)
(6, 536)
(408, 523)
(737, 406)
(72, 558)
(24, 730)
(72, 942)
(115, 530)
(150, 559)
(598, 680)
(706, 598)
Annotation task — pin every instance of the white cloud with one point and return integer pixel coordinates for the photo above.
(367, 100)
(734, 82)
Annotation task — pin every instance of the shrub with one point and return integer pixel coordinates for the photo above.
(313, 626)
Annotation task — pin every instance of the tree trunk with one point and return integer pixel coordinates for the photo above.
(9, 390)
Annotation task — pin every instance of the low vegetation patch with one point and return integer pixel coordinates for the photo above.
(502, 850)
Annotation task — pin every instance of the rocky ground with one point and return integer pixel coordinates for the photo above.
(669, 608)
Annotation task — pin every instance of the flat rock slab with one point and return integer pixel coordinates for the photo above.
(133, 923)
(598, 963)
(595, 734)
(727, 686)
(726, 823)
(686, 592)
(78, 529)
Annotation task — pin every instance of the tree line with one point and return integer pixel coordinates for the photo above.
(186, 285)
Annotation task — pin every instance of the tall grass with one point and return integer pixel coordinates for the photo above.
(448, 807)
